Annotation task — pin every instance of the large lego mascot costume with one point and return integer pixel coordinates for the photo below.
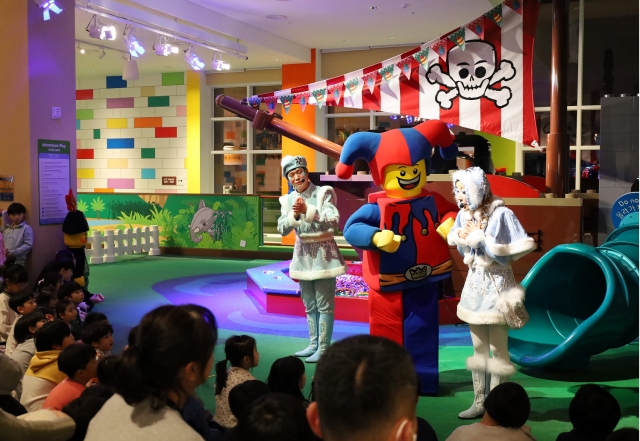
(405, 255)
(488, 236)
(311, 212)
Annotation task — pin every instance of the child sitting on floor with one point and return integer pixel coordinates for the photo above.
(66, 312)
(242, 352)
(46, 292)
(80, 365)
(25, 329)
(73, 291)
(21, 303)
(15, 280)
(100, 336)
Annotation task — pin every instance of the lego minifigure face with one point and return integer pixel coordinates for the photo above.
(78, 240)
(461, 196)
(404, 181)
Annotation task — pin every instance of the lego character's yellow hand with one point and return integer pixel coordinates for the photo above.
(445, 227)
(387, 241)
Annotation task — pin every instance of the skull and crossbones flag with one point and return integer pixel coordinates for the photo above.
(480, 80)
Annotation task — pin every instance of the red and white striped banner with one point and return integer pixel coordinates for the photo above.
(478, 83)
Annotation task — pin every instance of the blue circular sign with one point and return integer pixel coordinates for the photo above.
(624, 206)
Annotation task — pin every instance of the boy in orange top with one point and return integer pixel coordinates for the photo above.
(80, 364)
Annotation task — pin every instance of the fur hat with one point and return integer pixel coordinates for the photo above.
(291, 163)
(475, 184)
(398, 146)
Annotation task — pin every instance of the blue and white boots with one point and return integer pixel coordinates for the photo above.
(325, 331)
(312, 323)
(486, 374)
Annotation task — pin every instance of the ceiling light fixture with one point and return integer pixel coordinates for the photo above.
(192, 59)
(81, 49)
(46, 6)
(218, 64)
(102, 54)
(130, 41)
(130, 71)
(163, 48)
(100, 30)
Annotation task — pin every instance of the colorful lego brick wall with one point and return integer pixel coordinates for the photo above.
(131, 134)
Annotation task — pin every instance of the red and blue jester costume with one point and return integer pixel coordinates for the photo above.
(404, 284)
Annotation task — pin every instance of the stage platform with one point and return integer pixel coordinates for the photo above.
(277, 293)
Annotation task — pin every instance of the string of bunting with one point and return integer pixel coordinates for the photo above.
(335, 93)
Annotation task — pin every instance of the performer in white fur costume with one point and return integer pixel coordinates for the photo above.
(316, 262)
(489, 236)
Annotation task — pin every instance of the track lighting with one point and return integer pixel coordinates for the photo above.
(163, 48)
(48, 5)
(218, 64)
(135, 49)
(193, 60)
(100, 30)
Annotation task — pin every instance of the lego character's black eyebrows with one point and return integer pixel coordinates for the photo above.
(402, 166)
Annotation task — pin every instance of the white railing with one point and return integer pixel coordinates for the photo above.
(104, 248)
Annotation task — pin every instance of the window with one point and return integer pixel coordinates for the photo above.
(245, 161)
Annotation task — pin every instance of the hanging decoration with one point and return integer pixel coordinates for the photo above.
(477, 27)
(495, 15)
(405, 67)
(271, 103)
(501, 106)
(440, 48)
(516, 5)
(303, 100)
(458, 38)
(255, 101)
(286, 101)
(387, 72)
(422, 57)
(319, 95)
(370, 81)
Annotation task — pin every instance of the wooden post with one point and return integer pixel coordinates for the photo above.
(557, 175)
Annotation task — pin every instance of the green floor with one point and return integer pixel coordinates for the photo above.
(127, 288)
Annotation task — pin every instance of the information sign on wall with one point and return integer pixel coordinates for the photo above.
(54, 180)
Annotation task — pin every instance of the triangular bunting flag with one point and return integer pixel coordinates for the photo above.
(319, 95)
(351, 86)
(495, 15)
(255, 101)
(336, 92)
(304, 100)
(387, 72)
(440, 47)
(458, 38)
(370, 81)
(271, 103)
(405, 66)
(516, 5)
(477, 27)
(422, 57)
(286, 101)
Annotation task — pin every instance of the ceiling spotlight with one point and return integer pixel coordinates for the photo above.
(130, 41)
(163, 48)
(193, 60)
(100, 30)
(81, 49)
(48, 5)
(218, 64)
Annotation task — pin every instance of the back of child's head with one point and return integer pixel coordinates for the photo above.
(49, 313)
(15, 275)
(18, 301)
(67, 288)
(25, 324)
(51, 333)
(594, 410)
(275, 417)
(94, 317)
(51, 267)
(236, 348)
(107, 368)
(74, 358)
(46, 297)
(83, 409)
(94, 332)
(242, 396)
(284, 376)
(168, 339)
(508, 404)
(50, 281)
(16, 208)
(61, 306)
(64, 255)
(132, 337)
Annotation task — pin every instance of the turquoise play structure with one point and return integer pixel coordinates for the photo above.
(582, 300)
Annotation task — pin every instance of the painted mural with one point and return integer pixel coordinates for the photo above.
(187, 221)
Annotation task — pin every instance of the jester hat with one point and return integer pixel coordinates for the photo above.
(398, 146)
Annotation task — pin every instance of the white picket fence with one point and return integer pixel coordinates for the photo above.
(105, 248)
